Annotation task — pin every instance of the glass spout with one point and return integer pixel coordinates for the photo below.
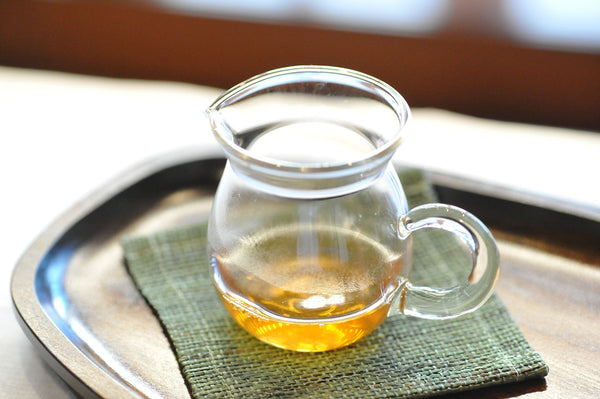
(327, 130)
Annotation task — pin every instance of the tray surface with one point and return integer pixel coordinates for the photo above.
(75, 299)
(77, 304)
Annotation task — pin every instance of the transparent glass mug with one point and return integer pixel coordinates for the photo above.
(310, 234)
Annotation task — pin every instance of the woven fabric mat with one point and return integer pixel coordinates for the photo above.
(404, 357)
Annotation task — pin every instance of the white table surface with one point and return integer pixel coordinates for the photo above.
(65, 135)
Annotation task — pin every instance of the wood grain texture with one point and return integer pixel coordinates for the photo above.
(556, 303)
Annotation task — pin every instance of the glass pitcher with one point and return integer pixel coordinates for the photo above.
(310, 234)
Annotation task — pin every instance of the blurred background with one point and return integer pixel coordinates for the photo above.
(534, 61)
(531, 61)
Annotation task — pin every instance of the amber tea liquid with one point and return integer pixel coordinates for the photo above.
(307, 288)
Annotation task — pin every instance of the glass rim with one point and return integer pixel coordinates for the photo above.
(225, 136)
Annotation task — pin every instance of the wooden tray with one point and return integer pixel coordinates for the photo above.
(79, 307)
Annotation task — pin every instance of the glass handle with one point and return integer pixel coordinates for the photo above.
(468, 295)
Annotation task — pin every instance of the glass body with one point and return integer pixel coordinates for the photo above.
(310, 234)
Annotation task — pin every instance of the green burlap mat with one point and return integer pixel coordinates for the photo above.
(405, 357)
